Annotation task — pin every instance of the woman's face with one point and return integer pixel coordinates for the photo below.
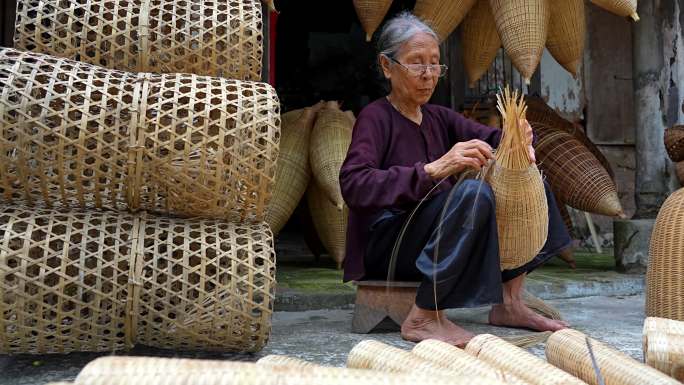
(420, 49)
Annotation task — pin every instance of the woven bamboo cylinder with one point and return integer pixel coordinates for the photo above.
(679, 169)
(77, 135)
(660, 325)
(278, 360)
(103, 281)
(512, 359)
(523, 28)
(575, 173)
(371, 13)
(293, 171)
(664, 284)
(443, 16)
(567, 349)
(567, 32)
(330, 140)
(480, 41)
(674, 143)
(221, 38)
(624, 8)
(329, 222)
(665, 352)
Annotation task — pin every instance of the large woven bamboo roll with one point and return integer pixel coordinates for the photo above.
(77, 135)
(567, 32)
(278, 360)
(512, 359)
(103, 281)
(624, 8)
(662, 326)
(371, 13)
(575, 173)
(665, 352)
(443, 16)
(568, 350)
(480, 41)
(329, 222)
(674, 143)
(523, 28)
(222, 38)
(664, 283)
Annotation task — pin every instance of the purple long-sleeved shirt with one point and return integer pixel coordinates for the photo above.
(384, 165)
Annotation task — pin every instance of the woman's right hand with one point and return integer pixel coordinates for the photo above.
(471, 154)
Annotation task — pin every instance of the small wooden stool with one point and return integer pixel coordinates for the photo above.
(377, 300)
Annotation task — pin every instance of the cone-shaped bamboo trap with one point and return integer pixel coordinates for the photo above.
(567, 32)
(575, 173)
(674, 143)
(278, 360)
(665, 275)
(330, 223)
(521, 208)
(624, 8)
(523, 28)
(214, 38)
(519, 362)
(568, 350)
(371, 13)
(480, 41)
(443, 16)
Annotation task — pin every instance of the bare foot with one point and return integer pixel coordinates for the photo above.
(425, 324)
(517, 314)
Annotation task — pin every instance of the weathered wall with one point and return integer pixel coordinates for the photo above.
(561, 90)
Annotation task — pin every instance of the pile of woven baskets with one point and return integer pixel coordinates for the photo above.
(138, 153)
(523, 27)
(314, 144)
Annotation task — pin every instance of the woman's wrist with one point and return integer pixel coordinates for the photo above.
(432, 170)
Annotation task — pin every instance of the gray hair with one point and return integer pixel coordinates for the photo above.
(399, 30)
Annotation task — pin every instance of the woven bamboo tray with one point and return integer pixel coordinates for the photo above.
(567, 349)
(665, 352)
(567, 32)
(103, 281)
(674, 143)
(664, 283)
(480, 41)
(575, 173)
(443, 16)
(523, 28)
(624, 8)
(214, 38)
(512, 359)
(77, 135)
(278, 360)
(371, 13)
(329, 222)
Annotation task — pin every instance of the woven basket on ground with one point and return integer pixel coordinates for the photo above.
(103, 281)
(575, 173)
(523, 27)
(221, 38)
(664, 283)
(674, 143)
(442, 16)
(480, 41)
(567, 31)
(371, 13)
(568, 350)
(77, 135)
(679, 169)
(278, 360)
(512, 359)
(665, 352)
(329, 222)
(624, 8)
(293, 171)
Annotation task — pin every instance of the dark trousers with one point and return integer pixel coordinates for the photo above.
(458, 262)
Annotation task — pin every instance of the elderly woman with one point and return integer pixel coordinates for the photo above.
(402, 148)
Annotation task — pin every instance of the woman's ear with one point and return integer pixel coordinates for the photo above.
(385, 65)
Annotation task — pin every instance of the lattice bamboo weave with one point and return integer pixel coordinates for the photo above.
(665, 352)
(567, 32)
(480, 41)
(443, 16)
(674, 143)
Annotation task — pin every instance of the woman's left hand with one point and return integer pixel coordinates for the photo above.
(528, 140)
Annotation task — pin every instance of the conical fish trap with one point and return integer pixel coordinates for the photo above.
(77, 135)
(329, 221)
(567, 31)
(522, 217)
(575, 173)
(523, 28)
(568, 350)
(103, 281)
(278, 360)
(512, 359)
(664, 278)
(443, 16)
(371, 13)
(214, 38)
(665, 352)
(624, 8)
(480, 41)
(674, 143)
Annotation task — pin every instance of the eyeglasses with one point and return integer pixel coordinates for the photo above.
(418, 70)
